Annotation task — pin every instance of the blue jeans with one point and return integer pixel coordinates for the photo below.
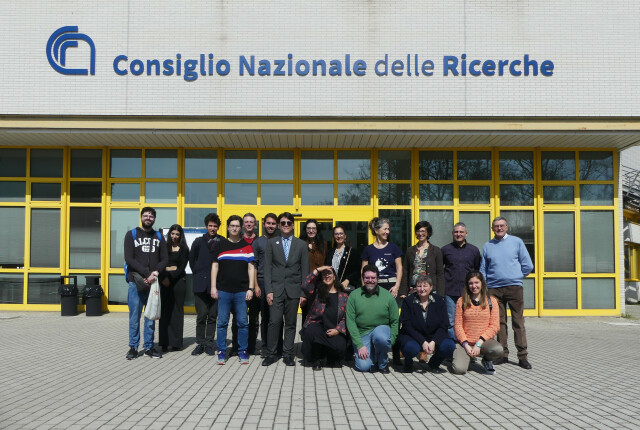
(451, 311)
(239, 304)
(136, 301)
(378, 343)
(444, 350)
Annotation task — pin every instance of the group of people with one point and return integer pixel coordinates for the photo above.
(425, 303)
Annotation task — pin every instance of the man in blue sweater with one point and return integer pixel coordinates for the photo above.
(505, 262)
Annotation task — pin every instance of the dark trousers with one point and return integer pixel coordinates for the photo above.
(316, 345)
(264, 323)
(207, 313)
(286, 307)
(172, 314)
(513, 296)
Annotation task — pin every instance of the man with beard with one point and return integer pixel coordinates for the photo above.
(200, 260)
(145, 254)
(372, 322)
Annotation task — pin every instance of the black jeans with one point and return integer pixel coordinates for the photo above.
(207, 313)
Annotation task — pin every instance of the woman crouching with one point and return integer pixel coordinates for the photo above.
(476, 323)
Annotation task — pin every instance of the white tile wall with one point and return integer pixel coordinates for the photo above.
(595, 47)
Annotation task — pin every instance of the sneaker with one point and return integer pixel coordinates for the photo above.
(210, 350)
(221, 358)
(233, 352)
(488, 367)
(199, 349)
(243, 358)
(133, 353)
(152, 353)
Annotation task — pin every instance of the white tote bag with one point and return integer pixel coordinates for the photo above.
(152, 310)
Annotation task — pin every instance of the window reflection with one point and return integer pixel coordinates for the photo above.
(12, 287)
(12, 256)
(200, 192)
(161, 163)
(436, 165)
(596, 165)
(45, 191)
(436, 194)
(559, 242)
(46, 163)
(241, 165)
(276, 165)
(516, 195)
(596, 231)
(400, 225)
(557, 195)
(317, 194)
(200, 164)
(522, 225)
(598, 293)
(42, 288)
(354, 194)
(474, 194)
(276, 194)
(161, 192)
(478, 227)
(317, 165)
(394, 194)
(354, 165)
(240, 194)
(516, 165)
(126, 163)
(45, 238)
(13, 191)
(125, 192)
(86, 163)
(596, 195)
(558, 166)
(474, 165)
(86, 192)
(13, 162)
(560, 293)
(442, 222)
(394, 165)
(84, 238)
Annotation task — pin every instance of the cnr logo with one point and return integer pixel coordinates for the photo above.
(62, 39)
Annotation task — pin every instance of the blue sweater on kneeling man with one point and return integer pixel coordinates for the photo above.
(505, 262)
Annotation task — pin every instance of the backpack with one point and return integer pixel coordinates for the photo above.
(133, 234)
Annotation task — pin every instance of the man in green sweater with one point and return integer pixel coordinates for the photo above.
(372, 321)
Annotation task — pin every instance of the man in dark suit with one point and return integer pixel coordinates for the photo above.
(286, 264)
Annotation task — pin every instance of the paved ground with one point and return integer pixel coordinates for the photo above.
(71, 373)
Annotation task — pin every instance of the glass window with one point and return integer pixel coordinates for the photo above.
(317, 165)
(11, 287)
(474, 165)
(200, 164)
(474, 194)
(529, 293)
(558, 166)
(596, 195)
(12, 191)
(597, 233)
(13, 162)
(122, 220)
(442, 222)
(42, 288)
(161, 163)
(554, 195)
(276, 194)
(118, 290)
(276, 165)
(516, 165)
(126, 163)
(478, 227)
(628, 255)
(45, 238)
(598, 293)
(86, 163)
(86, 192)
(521, 224)
(394, 165)
(354, 165)
(596, 165)
(194, 217)
(357, 233)
(560, 293)
(394, 194)
(436, 165)
(84, 238)
(46, 163)
(161, 192)
(241, 165)
(240, 194)
(354, 194)
(165, 218)
(45, 192)
(317, 194)
(559, 242)
(400, 226)
(125, 192)
(516, 195)
(200, 192)
(12, 233)
(436, 194)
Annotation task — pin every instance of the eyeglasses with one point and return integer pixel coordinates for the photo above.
(327, 274)
(421, 232)
(234, 226)
(286, 223)
(338, 234)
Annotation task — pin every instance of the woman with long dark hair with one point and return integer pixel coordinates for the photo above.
(173, 288)
(317, 249)
(344, 260)
(324, 332)
(477, 322)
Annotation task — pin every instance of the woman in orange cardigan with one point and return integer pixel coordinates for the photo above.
(477, 321)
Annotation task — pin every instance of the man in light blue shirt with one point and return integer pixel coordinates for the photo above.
(505, 262)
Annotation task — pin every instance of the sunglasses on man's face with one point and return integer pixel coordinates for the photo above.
(286, 223)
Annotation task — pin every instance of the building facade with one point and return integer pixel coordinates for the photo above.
(337, 112)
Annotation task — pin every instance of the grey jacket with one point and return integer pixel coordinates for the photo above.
(282, 276)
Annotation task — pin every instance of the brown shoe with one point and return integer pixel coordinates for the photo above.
(422, 357)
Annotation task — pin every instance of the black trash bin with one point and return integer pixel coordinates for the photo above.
(92, 295)
(68, 296)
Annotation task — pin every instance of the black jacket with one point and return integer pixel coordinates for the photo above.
(435, 269)
(349, 265)
(414, 326)
(200, 259)
(146, 254)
